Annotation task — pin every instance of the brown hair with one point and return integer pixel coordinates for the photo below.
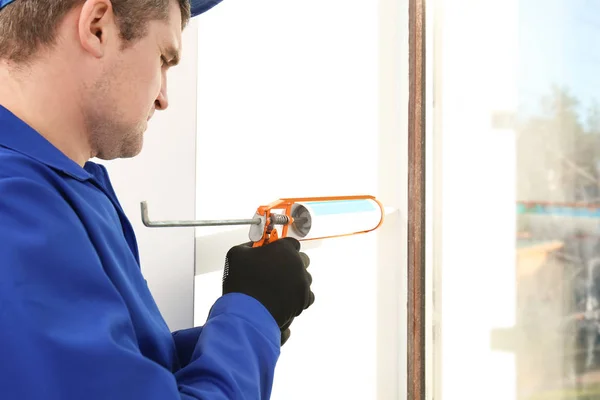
(27, 25)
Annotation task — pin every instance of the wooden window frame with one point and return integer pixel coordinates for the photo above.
(416, 203)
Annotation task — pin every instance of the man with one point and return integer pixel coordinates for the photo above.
(81, 79)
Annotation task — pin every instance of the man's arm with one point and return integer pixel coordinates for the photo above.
(67, 334)
(185, 343)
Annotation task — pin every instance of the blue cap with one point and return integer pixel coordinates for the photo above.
(197, 6)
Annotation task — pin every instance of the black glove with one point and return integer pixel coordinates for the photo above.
(285, 329)
(274, 274)
(286, 332)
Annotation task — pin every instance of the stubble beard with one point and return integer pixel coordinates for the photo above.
(111, 139)
(110, 136)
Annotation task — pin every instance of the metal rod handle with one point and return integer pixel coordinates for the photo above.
(218, 222)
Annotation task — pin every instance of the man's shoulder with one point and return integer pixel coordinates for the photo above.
(41, 234)
(30, 186)
(26, 183)
(17, 165)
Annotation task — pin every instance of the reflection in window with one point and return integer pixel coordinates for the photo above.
(558, 210)
(518, 81)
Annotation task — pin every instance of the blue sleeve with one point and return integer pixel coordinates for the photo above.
(65, 331)
(185, 343)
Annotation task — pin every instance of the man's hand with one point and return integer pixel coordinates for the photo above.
(274, 274)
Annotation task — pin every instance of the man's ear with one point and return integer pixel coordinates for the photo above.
(96, 23)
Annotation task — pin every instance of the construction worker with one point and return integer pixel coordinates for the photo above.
(81, 79)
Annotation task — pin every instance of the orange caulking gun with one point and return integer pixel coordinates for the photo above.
(303, 218)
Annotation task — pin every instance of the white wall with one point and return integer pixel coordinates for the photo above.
(164, 175)
(282, 87)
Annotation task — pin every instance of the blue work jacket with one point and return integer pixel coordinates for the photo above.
(77, 320)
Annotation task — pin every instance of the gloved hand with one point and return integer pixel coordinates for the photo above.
(285, 329)
(274, 274)
(286, 332)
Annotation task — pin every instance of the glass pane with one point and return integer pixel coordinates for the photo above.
(518, 179)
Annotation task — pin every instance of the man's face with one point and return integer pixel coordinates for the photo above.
(130, 86)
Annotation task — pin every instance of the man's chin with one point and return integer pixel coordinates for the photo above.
(128, 150)
(132, 152)
(133, 147)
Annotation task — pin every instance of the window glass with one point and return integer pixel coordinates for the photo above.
(517, 177)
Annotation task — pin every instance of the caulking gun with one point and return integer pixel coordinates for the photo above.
(303, 218)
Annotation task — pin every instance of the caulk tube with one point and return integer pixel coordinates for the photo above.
(330, 218)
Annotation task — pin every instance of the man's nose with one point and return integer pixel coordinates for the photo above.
(162, 101)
